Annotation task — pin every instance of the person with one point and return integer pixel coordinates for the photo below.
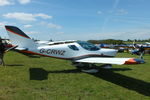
(135, 49)
(141, 51)
(2, 51)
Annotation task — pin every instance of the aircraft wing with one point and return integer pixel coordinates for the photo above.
(119, 61)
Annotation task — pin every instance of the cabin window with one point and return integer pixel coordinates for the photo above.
(73, 47)
(88, 46)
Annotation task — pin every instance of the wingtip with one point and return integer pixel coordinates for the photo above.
(134, 61)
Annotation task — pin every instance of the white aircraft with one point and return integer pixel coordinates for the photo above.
(82, 54)
(148, 43)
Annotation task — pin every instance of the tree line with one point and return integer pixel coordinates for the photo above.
(107, 41)
(113, 41)
(138, 40)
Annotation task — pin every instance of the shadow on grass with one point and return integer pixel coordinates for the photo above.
(14, 65)
(105, 74)
(41, 74)
(130, 83)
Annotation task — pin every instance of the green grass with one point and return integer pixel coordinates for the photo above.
(45, 78)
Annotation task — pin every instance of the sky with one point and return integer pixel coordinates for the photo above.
(77, 19)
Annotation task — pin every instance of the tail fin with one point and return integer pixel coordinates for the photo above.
(18, 37)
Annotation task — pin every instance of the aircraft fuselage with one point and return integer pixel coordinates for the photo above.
(72, 51)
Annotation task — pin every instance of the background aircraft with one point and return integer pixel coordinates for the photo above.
(147, 43)
(82, 54)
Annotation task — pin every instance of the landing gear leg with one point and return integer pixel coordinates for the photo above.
(107, 66)
(85, 67)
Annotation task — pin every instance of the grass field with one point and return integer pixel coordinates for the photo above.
(26, 78)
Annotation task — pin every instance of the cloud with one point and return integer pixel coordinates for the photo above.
(44, 16)
(26, 16)
(11, 2)
(24, 1)
(32, 32)
(5, 2)
(121, 12)
(114, 6)
(106, 21)
(27, 26)
(51, 25)
(60, 32)
(116, 3)
(99, 12)
(20, 16)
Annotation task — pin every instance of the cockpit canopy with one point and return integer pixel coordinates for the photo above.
(88, 46)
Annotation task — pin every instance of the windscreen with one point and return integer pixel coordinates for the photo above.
(88, 46)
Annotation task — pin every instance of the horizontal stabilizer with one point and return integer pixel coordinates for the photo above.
(21, 48)
(11, 48)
